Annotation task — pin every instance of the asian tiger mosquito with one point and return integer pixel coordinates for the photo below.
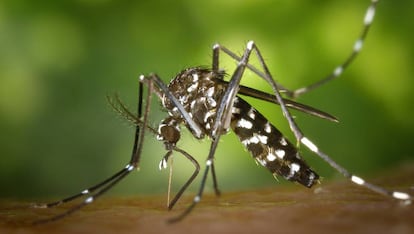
(209, 106)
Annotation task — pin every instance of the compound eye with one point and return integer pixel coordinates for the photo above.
(169, 134)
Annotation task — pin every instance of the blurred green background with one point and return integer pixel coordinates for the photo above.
(59, 59)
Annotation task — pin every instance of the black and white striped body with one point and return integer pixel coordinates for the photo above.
(199, 92)
(268, 146)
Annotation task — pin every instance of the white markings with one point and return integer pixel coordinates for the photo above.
(255, 139)
(243, 123)
(183, 99)
(175, 109)
(195, 77)
(262, 139)
(358, 45)
(85, 191)
(160, 137)
(309, 144)
(197, 199)
(141, 78)
(250, 45)
(271, 157)
(250, 140)
(311, 176)
(251, 113)
(267, 128)
(338, 71)
(129, 167)
(216, 46)
(295, 167)
(208, 115)
(401, 196)
(210, 91)
(163, 164)
(235, 110)
(212, 102)
(357, 180)
(163, 99)
(280, 153)
(193, 104)
(192, 87)
(369, 16)
(209, 162)
(89, 200)
(283, 141)
(246, 142)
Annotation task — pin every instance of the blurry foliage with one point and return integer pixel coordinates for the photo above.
(58, 60)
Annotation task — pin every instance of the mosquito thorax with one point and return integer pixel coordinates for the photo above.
(199, 93)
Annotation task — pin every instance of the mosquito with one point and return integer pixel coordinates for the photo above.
(209, 106)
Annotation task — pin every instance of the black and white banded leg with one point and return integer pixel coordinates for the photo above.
(337, 71)
(97, 190)
(141, 122)
(367, 22)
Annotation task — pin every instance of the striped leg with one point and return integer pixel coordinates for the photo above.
(367, 22)
(300, 137)
(99, 189)
(358, 44)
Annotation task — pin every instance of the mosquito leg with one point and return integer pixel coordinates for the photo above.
(102, 187)
(84, 192)
(189, 181)
(197, 198)
(163, 165)
(89, 199)
(405, 197)
(216, 58)
(215, 68)
(368, 19)
(139, 135)
(215, 184)
(276, 87)
(255, 70)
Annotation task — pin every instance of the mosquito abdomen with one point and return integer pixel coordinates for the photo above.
(268, 146)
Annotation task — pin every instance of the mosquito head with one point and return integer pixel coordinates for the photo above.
(169, 132)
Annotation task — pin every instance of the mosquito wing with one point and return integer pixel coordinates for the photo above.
(289, 103)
